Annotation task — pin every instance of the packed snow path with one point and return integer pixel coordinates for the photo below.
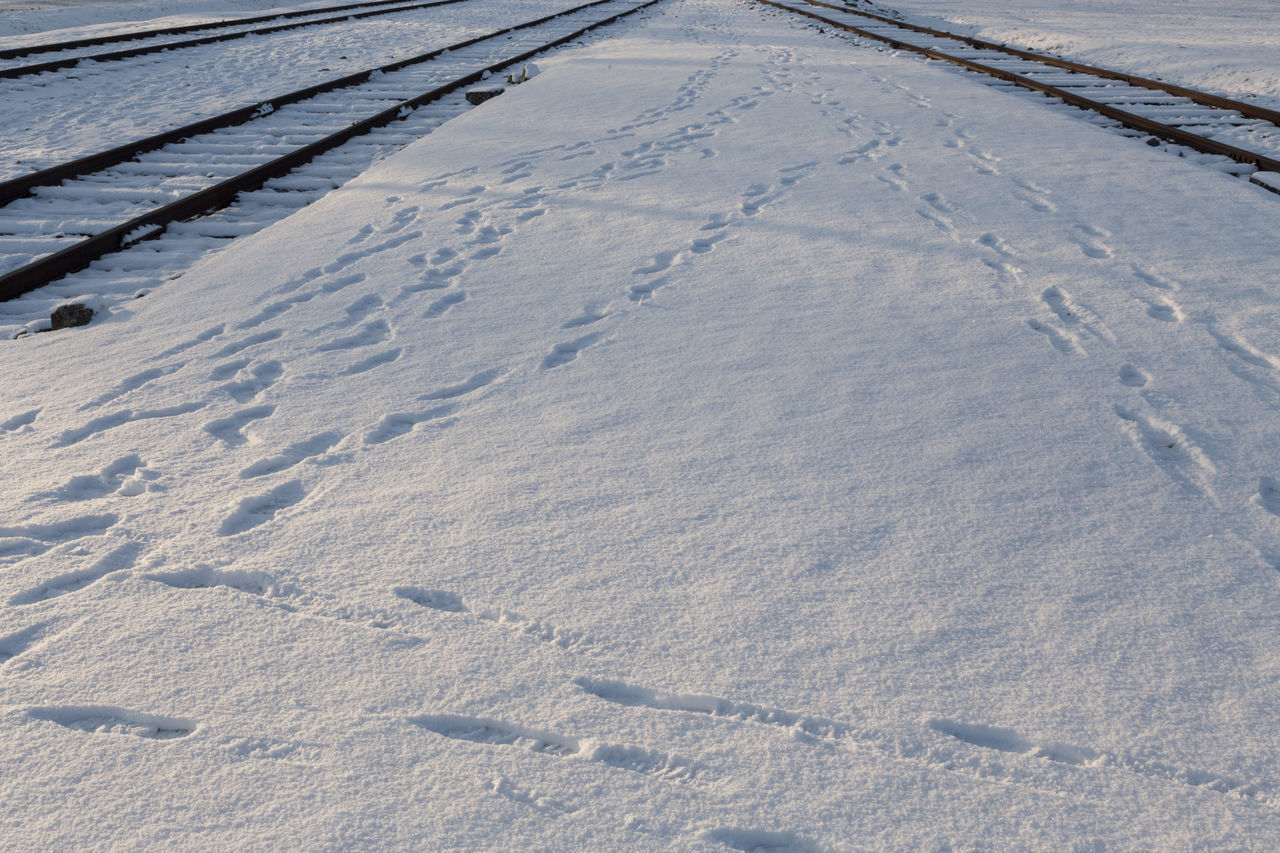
(612, 469)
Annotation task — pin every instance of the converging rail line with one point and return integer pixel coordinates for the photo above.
(74, 59)
(110, 201)
(1247, 134)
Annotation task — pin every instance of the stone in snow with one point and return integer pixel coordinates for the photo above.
(479, 96)
(71, 314)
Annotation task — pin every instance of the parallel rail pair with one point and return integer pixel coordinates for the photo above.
(1212, 124)
(109, 201)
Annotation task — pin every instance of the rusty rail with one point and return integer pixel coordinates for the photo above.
(151, 224)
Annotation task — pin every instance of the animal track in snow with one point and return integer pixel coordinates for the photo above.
(126, 385)
(448, 602)
(1155, 280)
(105, 720)
(1036, 202)
(1071, 313)
(229, 430)
(1091, 242)
(478, 730)
(871, 150)
(1008, 740)
(1134, 377)
(562, 354)
(118, 419)
(467, 222)
(475, 383)
(939, 202)
(375, 360)
(1063, 341)
(703, 245)
(292, 455)
(439, 307)
(348, 258)
(395, 425)
(436, 278)
(588, 316)
(257, 380)
(894, 177)
(625, 694)
(661, 261)
(126, 476)
(275, 309)
(120, 558)
(22, 641)
(361, 308)
(19, 421)
(996, 244)
(760, 841)
(984, 162)
(371, 333)
(343, 282)
(1167, 444)
(259, 509)
(251, 341)
(1165, 310)
(717, 221)
(494, 732)
(1269, 494)
(225, 371)
(491, 234)
(755, 198)
(203, 337)
(1243, 350)
(792, 174)
(32, 539)
(205, 577)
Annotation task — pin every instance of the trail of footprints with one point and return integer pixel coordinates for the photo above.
(1067, 323)
(941, 742)
(916, 745)
(244, 379)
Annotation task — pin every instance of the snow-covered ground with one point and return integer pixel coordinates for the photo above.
(1225, 46)
(732, 438)
(58, 116)
(58, 20)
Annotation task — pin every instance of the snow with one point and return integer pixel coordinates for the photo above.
(1225, 47)
(731, 438)
(133, 99)
(45, 21)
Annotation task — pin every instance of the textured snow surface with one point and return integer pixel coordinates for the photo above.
(1224, 46)
(60, 115)
(732, 438)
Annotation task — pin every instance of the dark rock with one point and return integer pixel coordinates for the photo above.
(72, 314)
(479, 96)
(1152, 141)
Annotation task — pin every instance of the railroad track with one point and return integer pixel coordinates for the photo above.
(75, 52)
(1218, 127)
(60, 220)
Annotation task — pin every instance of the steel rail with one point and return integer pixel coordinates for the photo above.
(1137, 122)
(151, 224)
(71, 61)
(16, 188)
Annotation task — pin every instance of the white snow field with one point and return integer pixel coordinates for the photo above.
(733, 438)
